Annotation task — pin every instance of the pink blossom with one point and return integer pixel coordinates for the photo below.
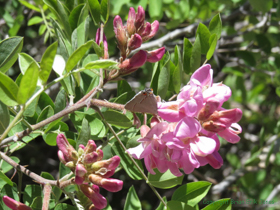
(155, 55)
(93, 194)
(14, 205)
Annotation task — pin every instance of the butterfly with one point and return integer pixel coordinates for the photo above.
(144, 102)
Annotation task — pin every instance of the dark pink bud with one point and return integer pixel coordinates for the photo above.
(90, 158)
(134, 42)
(132, 64)
(213, 126)
(154, 30)
(109, 174)
(136, 120)
(69, 153)
(98, 40)
(109, 164)
(80, 172)
(93, 194)
(146, 30)
(112, 185)
(14, 205)
(81, 146)
(91, 147)
(154, 121)
(209, 108)
(144, 130)
(61, 157)
(130, 27)
(215, 160)
(140, 18)
(100, 154)
(155, 55)
(120, 35)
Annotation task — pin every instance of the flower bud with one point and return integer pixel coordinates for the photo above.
(132, 64)
(100, 154)
(90, 158)
(134, 42)
(146, 30)
(80, 172)
(91, 147)
(82, 146)
(154, 30)
(213, 126)
(130, 27)
(140, 18)
(120, 35)
(98, 41)
(155, 55)
(64, 147)
(80, 151)
(209, 108)
(70, 164)
(112, 185)
(110, 164)
(14, 205)
(61, 156)
(93, 194)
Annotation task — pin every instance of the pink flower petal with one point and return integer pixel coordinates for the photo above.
(204, 75)
(188, 127)
(136, 151)
(229, 135)
(203, 146)
(215, 160)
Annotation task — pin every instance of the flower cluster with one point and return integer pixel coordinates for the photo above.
(14, 205)
(88, 166)
(131, 36)
(189, 139)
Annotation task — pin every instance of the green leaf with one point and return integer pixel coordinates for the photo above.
(177, 205)
(8, 90)
(260, 5)
(222, 204)
(123, 87)
(161, 205)
(164, 76)
(95, 9)
(77, 56)
(196, 55)
(212, 42)
(82, 32)
(24, 61)
(187, 54)
(278, 91)
(204, 35)
(215, 26)
(46, 113)
(50, 138)
(84, 135)
(30, 6)
(34, 20)
(5, 167)
(126, 162)
(4, 116)
(164, 180)
(47, 62)
(10, 191)
(132, 201)
(100, 64)
(28, 83)
(96, 126)
(155, 9)
(59, 11)
(37, 203)
(191, 193)
(30, 192)
(5, 178)
(104, 11)
(60, 101)
(9, 49)
(234, 160)
(42, 29)
(98, 50)
(64, 206)
(74, 16)
(117, 119)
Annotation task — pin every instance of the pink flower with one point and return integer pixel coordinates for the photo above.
(155, 55)
(14, 205)
(93, 194)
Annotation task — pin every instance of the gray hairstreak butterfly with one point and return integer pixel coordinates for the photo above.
(144, 102)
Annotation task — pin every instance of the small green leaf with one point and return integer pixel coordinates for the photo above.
(164, 180)
(30, 192)
(117, 119)
(95, 9)
(223, 204)
(5, 167)
(260, 5)
(196, 55)
(64, 206)
(155, 9)
(50, 138)
(164, 76)
(60, 101)
(45, 113)
(42, 29)
(278, 91)
(8, 90)
(4, 116)
(233, 160)
(98, 50)
(104, 11)
(187, 54)
(77, 56)
(84, 135)
(34, 20)
(24, 61)
(215, 26)
(132, 201)
(37, 203)
(5, 178)
(82, 32)
(9, 49)
(47, 62)
(123, 87)
(126, 162)
(100, 64)
(212, 42)
(204, 35)
(30, 6)
(74, 16)
(192, 193)
(28, 83)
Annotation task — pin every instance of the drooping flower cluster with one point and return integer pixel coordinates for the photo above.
(189, 139)
(88, 166)
(131, 36)
(14, 205)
